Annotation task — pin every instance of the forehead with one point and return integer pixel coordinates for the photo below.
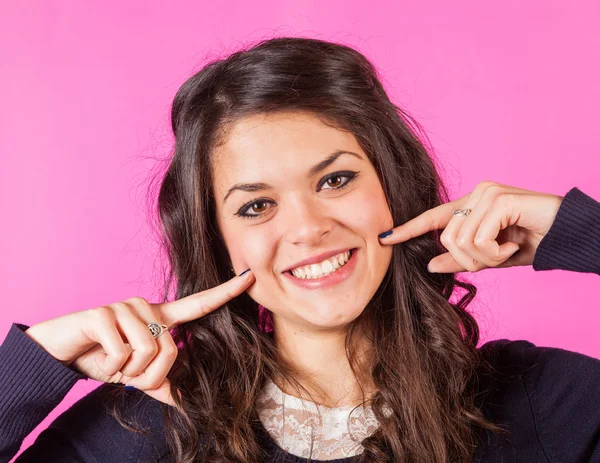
(281, 143)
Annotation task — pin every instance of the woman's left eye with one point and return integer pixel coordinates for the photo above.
(332, 180)
(336, 184)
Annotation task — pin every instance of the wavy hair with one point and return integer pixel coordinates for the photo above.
(425, 365)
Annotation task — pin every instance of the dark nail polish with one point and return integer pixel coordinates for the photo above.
(517, 252)
(244, 271)
(384, 234)
(130, 387)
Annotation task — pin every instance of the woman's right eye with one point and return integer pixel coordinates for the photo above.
(257, 206)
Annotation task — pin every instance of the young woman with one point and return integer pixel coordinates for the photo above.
(316, 313)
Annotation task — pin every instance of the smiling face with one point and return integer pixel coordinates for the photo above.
(303, 207)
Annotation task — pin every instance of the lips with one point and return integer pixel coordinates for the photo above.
(318, 258)
(339, 276)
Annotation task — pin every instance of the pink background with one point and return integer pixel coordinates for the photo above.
(507, 92)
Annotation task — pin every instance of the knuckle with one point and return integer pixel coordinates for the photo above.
(494, 190)
(172, 354)
(148, 382)
(102, 313)
(121, 355)
(137, 301)
(148, 348)
(120, 306)
(482, 187)
(479, 241)
(486, 184)
(500, 200)
(171, 351)
(445, 239)
(462, 241)
(509, 198)
(155, 382)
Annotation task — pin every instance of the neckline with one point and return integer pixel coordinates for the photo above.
(273, 449)
(298, 400)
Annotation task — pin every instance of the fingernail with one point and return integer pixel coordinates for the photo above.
(517, 252)
(387, 233)
(243, 272)
(130, 387)
(429, 269)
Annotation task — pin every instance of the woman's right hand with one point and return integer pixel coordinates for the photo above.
(113, 343)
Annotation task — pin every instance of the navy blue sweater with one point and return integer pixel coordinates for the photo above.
(549, 399)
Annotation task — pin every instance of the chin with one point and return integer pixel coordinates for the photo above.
(325, 318)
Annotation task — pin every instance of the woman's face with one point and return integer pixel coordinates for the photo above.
(301, 206)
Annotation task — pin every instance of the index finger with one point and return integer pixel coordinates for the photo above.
(432, 219)
(199, 304)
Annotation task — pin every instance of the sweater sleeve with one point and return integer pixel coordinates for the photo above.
(33, 383)
(551, 403)
(573, 240)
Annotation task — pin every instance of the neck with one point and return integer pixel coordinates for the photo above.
(321, 365)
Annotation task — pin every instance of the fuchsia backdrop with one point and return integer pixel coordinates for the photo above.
(507, 92)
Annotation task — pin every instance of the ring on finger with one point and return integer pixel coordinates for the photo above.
(463, 212)
(156, 329)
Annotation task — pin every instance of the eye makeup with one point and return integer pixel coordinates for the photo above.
(348, 174)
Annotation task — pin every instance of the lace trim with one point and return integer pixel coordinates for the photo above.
(309, 430)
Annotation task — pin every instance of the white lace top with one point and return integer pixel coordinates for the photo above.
(309, 430)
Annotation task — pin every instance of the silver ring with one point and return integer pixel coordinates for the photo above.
(156, 329)
(463, 212)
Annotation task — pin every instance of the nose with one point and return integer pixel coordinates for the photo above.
(306, 221)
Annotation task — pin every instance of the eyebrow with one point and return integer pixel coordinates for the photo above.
(260, 186)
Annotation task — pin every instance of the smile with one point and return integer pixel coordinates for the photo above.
(323, 268)
(328, 272)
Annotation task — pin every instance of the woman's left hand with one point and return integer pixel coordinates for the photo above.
(503, 220)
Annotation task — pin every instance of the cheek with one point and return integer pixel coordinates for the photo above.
(370, 212)
(373, 217)
(252, 247)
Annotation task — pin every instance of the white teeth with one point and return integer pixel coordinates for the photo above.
(315, 269)
(322, 268)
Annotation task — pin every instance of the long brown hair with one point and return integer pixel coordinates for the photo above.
(425, 364)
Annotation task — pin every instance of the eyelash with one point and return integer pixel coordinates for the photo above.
(242, 212)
